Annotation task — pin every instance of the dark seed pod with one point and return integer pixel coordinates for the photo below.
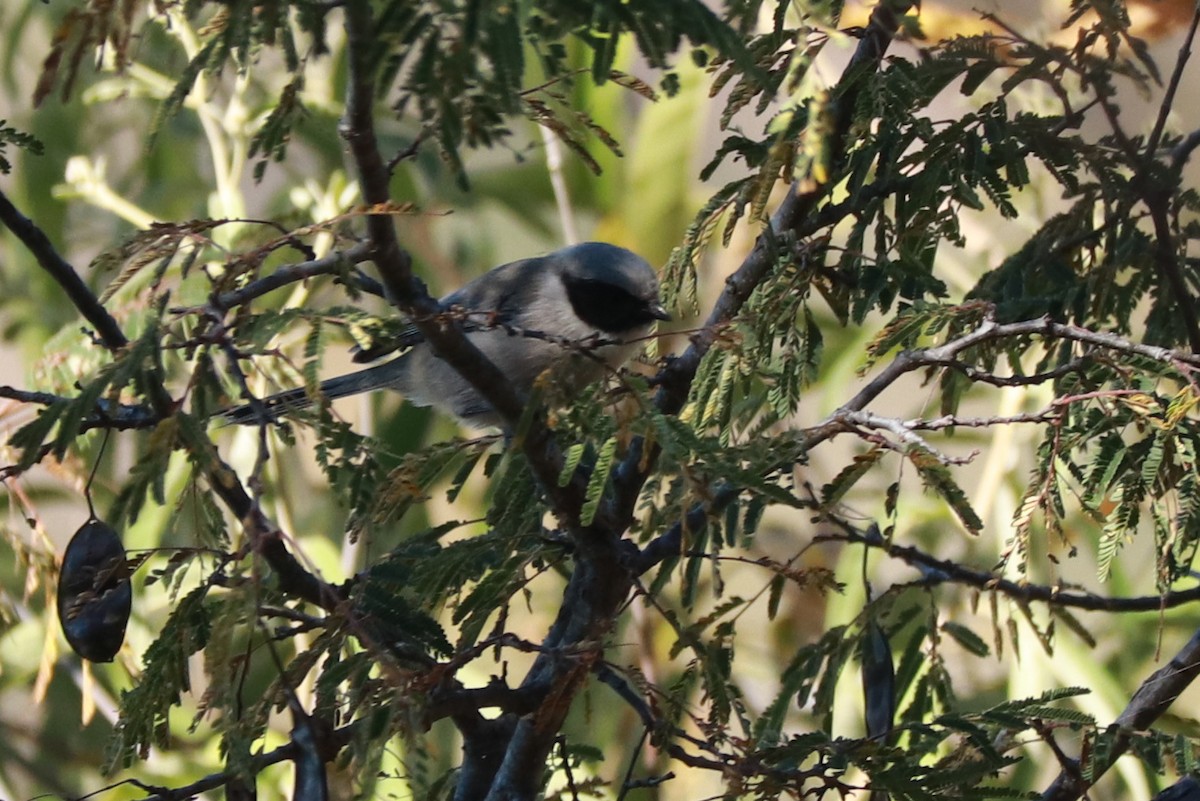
(94, 594)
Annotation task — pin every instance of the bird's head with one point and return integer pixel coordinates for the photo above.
(610, 288)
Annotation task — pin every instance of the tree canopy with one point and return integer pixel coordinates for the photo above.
(902, 502)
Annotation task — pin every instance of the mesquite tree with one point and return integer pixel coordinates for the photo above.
(735, 568)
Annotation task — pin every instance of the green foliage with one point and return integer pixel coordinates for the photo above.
(146, 708)
(389, 619)
(486, 581)
(11, 136)
(936, 476)
(1131, 452)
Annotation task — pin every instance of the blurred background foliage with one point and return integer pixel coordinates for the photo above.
(101, 177)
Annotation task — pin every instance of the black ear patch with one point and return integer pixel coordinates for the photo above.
(607, 307)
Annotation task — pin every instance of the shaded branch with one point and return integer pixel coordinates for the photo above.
(326, 265)
(1152, 699)
(496, 694)
(1158, 200)
(1183, 151)
(1157, 197)
(667, 545)
(257, 764)
(36, 241)
(990, 331)
(943, 570)
(1168, 101)
(1028, 380)
(357, 128)
(120, 417)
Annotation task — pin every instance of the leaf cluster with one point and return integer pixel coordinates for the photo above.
(886, 186)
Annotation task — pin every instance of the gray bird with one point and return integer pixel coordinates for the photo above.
(582, 310)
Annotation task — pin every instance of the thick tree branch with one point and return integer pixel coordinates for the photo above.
(504, 759)
(394, 263)
(36, 241)
(1152, 699)
(508, 759)
(600, 581)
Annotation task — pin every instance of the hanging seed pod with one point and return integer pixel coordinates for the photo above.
(94, 594)
(879, 681)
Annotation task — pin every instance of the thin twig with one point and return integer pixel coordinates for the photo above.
(408, 152)
(256, 765)
(990, 331)
(24, 396)
(1158, 200)
(558, 182)
(901, 431)
(954, 421)
(666, 545)
(947, 571)
(1168, 101)
(326, 265)
(119, 417)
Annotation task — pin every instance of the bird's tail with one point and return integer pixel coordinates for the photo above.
(269, 409)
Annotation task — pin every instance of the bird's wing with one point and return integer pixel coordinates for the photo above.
(493, 298)
(497, 291)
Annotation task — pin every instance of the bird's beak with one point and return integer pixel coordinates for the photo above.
(659, 313)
